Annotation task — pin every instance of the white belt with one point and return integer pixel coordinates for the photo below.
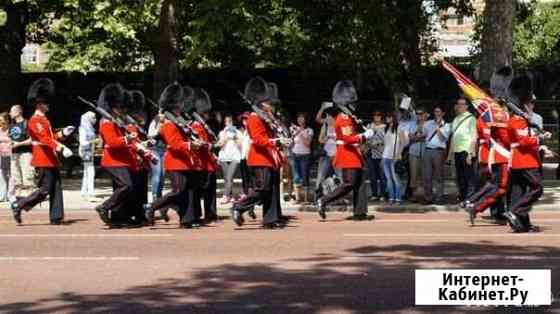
(483, 141)
(342, 143)
(513, 145)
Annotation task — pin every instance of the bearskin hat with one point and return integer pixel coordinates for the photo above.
(500, 80)
(42, 89)
(137, 101)
(256, 91)
(112, 95)
(172, 97)
(189, 99)
(202, 101)
(344, 93)
(273, 93)
(521, 89)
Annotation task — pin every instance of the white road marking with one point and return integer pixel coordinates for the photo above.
(86, 235)
(67, 258)
(451, 235)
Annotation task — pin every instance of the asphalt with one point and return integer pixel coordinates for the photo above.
(312, 266)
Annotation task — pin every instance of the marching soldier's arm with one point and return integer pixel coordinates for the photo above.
(112, 136)
(44, 134)
(259, 133)
(175, 141)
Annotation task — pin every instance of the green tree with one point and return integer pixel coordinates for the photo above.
(537, 37)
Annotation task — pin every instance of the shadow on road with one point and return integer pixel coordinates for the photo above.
(368, 279)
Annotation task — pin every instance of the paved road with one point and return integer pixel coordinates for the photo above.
(336, 266)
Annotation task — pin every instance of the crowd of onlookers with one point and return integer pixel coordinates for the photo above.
(407, 154)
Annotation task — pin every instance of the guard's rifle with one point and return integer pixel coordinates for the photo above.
(274, 123)
(140, 148)
(362, 127)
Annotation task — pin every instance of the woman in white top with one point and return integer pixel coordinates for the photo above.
(229, 157)
(327, 138)
(245, 145)
(86, 149)
(394, 142)
(301, 150)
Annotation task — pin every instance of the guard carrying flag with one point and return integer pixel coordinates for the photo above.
(348, 156)
(265, 157)
(45, 145)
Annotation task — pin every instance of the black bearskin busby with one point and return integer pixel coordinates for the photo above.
(521, 90)
(41, 90)
(138, 101)
(189, 93)
(273, 93)
(202, 101)
(256, 91)
(112, 95)
(500, 80)
(344, 93)
(172, 97)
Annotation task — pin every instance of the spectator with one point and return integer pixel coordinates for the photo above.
(22, 173)
(301, 150)
(158, 174)
(394, 142)
(416, 151)
(5, 155)
(407, 121)
(437, 133)
(375, 167)
(245, 145)
(462, 147)
(229, 157)
(534, 117)
(327, 138)
(86, 150)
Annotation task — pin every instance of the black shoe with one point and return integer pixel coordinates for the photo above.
(186, 225)
(16, 211)
(252, 214)
(322, 211)
(103, 214)
(514, 222)
(472, 214)
(273, 225)
(149, 214)
(533, 229)
(163, 215)
(211, 218)
(237, 217)
(360, 217)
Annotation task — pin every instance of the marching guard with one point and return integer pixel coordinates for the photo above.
(45, 145)
(348, 156)
(265, 157)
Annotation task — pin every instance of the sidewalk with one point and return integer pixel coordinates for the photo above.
(74, 201)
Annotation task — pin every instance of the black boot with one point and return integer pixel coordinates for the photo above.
(103, 214)
(16, 212)
(322, 209)
(149, 214)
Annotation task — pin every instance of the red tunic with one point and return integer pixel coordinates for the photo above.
(178, 156)
(483, 131)
(348, 155)
(117, 151)
(207, 159)
(44, 142)
(524, 145)
(141, 162)
(500, 153)
(262, 153)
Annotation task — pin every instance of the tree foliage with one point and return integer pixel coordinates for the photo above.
(537, 36)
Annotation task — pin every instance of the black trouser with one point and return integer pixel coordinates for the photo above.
(352, 181)
(245, 176)
(182, 195)
(526, 189)
(123, 191)
(207, 192)
(140, 186)
(464, 173)
(266, 189)
(49, 185)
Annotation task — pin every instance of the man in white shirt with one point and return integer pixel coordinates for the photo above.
(437, 133)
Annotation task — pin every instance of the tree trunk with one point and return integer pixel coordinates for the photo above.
(12, 41)
(165, 47)
(497, 36)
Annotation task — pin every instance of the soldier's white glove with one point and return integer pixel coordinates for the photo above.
(68, 130)
(66, 152)
(547, 135)
(368, 134)
(547, 152)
